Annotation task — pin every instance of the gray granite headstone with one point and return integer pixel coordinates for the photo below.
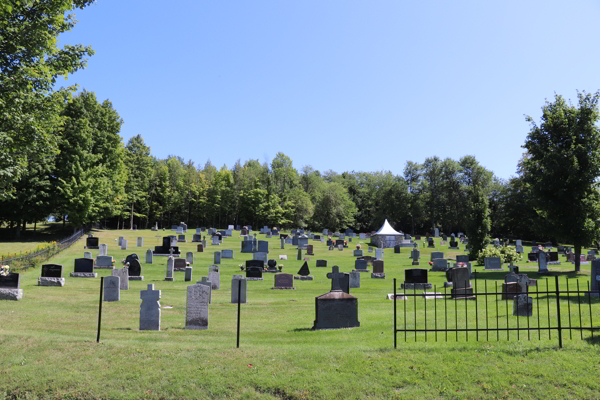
(112, 290)
(354, 279)
(358, 253)
(321, 263)
(542, 263)
(87, 254)
(237, 280)
(214, 276)
(170, 276)
(208, 284)
(123, 274)
(140, 242)
(361, 265)
(103, 250)
(227, 253)
(124, 244)
(492, 263)
(284, 281)
(104, 262)
(149, 256)
(188, 274)
(189, 256)
(150, 309)
(196, 310)
(436, 254)
(439, 264)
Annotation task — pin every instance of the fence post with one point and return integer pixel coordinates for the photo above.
(558, 313)
(395, 332)
(100, 310)
(238, 315)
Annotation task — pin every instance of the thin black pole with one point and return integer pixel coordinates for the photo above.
(425, 306)
(569, 308)
(537, 301)
(405, 301)
(497, 312)
(239, 309)
(435, 310)
(476, 310)
(548, 306)
(590, 304)
(487, 332)
(579, 302)
(466, 312)
(558, 313)
(446, 312)
(395, 331)
(100, 310)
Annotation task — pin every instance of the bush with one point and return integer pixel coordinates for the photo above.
(506, 254)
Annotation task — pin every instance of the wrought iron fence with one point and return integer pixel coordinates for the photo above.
(476, 314)
(46, 253)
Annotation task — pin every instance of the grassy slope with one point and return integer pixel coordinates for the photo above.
(49, 349)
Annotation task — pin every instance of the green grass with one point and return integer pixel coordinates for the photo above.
(29, 240)
(48, 347)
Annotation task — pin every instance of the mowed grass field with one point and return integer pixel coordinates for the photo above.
(48, 346)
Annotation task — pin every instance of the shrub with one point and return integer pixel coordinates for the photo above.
(506, 254)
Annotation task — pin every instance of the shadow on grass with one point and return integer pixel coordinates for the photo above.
(301, 330)
(594, 340)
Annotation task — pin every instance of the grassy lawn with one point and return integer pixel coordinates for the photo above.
(31, 240)
(48, 347)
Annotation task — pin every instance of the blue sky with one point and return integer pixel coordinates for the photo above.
(340, 85)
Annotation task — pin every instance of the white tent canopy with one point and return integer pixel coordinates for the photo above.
(387, 230)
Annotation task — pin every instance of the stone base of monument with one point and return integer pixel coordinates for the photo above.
(380, 275)
(167, 255)
(284, 288)
(523, 306)
(553, 262)
(43, 281)
(361, 270)
(415, 263)
(11, 294)
(595, 294)
(493, 269)
(255, 279)
(104, 267)
(83, 275)
(303, 278)
(92, 247)
(416, 286)
(336, 310)
(271, 271)
(462, 293)
(169, 279)
(448, 284)
(136, 278)
(453, 248)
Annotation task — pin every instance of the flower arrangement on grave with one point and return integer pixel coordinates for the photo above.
(241, 267)
(461, 264)
(345, 243)
(280, 266)
(4, 270)
(358, 247)
(430, 262)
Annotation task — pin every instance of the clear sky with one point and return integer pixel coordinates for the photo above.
(341, 85)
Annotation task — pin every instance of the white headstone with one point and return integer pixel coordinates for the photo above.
(170, 269)
(103, 250)
(235, 282)
(149, 256)
(123, 274)
(196, 310)
(140, 242)
(112, 291)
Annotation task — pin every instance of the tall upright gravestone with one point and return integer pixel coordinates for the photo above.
(196, 311)
(150, 309)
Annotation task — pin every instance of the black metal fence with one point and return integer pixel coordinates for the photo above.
(29, 259)
(484, 312)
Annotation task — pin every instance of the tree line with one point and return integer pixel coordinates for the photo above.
(62, 155)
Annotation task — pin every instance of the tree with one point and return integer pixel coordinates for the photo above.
(30, 63)
(139, 170)
(334, 209)
(478, 222)
(562, 166)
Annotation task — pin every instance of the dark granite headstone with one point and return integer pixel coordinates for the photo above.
(84, 265)
(52, 271)
(553, 256)
(339, 242)
(272, 263)
(254, 272)
(92, 242)
(131, 257)
(378, 267)
(10, 281)
(321, 263)
(284, 281)
(532, 256)
(255, 264)
(304, 271)
(135, 269)
(343, 280)
(415, 275)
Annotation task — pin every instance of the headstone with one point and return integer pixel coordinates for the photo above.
(430, 242)
(379, 253)
(284, 281)
(150, 309)
(492, 263)
(123, 274)
(189, 257)
(135, 271)
(436, 254)
(415, 254)
(239, 284)
(148, 256)
(370, 249)
(436, 232)
(263, 246)
(170, 276)
(336, 309)
(321, 263)
(103, 249)
(343, 280)
(51, 275)
(532, 257)
(104, 262)
(519, 249)
(361, 265)
(595, 279)
(112, 290)
(124, 244)
(397, 249)
(439, 264)
(358, 253)
(378, 270)
(179, 264)
(83, 268)
(227, 253)
(200, 248)
(304, 273)
(542, 263)
(354, 279)
(415, 279)
(309, 250)
(247, 246)
(196, 310)
(217, 257)
(522, 306)
(282, 244)
(140, 242)
(461, 286)
(216, 241)
(187, 277)
(87, 254)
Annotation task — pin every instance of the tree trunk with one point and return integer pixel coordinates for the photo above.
(131, 220)
(577, 256)
(35, 226)
(64, 221)
(24, 226)
(18, 229)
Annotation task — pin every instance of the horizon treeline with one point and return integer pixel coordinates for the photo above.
(93, 177)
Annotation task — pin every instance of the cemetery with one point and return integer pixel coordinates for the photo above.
(156, 307)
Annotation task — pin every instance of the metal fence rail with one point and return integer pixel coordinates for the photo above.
(493, 316)
(48, 252)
